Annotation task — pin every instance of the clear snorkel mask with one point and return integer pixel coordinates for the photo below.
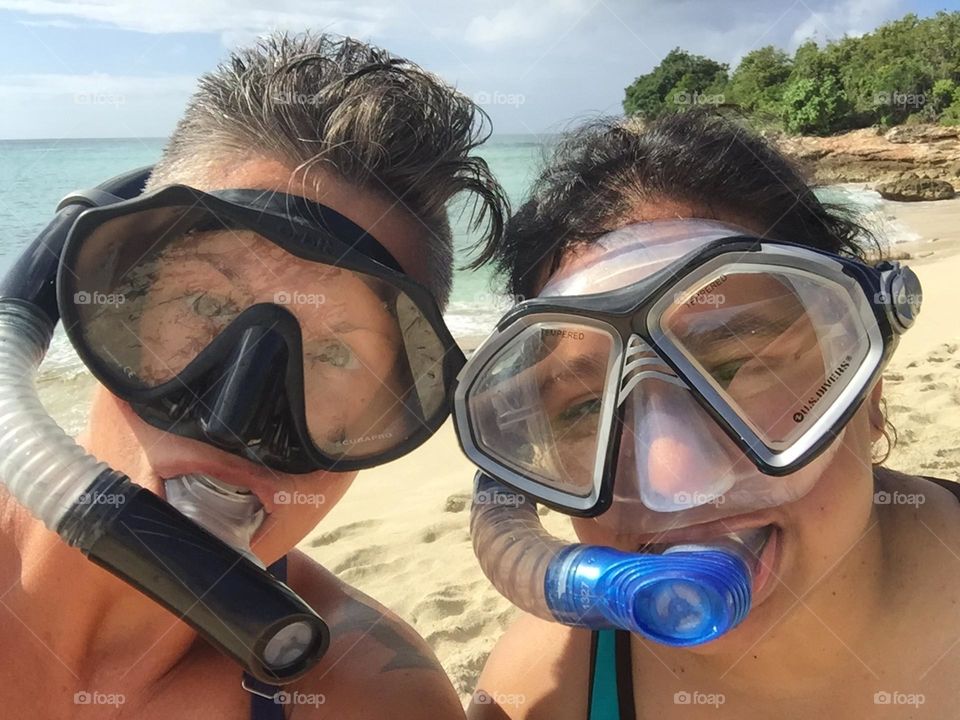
(680, 372)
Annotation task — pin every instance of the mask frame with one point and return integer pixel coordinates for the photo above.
(888, 301)
(308, 230)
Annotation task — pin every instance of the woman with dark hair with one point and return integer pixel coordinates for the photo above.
(697, 381)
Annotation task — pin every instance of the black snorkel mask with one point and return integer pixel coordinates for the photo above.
(244, 374)
(262, 323)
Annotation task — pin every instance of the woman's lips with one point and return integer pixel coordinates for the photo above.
(704, 532)
(763, 543)
(767, 566)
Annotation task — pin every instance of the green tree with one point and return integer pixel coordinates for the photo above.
(942, 94)
(814, 100)
(812, 106)
(758, 83)
(677, 74)
(907, 69)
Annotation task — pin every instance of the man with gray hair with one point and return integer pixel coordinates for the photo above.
(263, 322)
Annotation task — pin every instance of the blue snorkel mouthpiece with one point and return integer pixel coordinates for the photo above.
(688, 595)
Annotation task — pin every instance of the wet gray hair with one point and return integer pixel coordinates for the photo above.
(377, 121)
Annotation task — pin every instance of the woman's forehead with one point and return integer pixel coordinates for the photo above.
(633, 252)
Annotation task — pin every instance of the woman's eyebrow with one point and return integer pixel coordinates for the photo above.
(583, 367)
(746, 325)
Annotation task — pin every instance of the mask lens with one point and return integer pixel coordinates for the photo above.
(539, 405)
(153, 289)
(778, 344)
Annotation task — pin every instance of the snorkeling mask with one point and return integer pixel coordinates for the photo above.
(686, 372)
(203, 312)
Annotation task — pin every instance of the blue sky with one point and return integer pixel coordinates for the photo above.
(125, 68)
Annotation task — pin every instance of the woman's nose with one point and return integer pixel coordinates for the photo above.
(672, 454)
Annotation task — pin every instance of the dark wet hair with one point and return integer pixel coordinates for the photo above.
(597, 174)
(379, 121)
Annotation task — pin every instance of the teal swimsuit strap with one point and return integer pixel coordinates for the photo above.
(610, 695)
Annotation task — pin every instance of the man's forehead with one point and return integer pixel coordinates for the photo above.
(387, 220)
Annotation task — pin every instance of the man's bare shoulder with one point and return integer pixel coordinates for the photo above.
(538, 669)
(377, 665)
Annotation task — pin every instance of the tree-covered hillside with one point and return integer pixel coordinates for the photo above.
(905, 71)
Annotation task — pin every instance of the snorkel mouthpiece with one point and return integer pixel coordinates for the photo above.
(683, 597)
(688, 595)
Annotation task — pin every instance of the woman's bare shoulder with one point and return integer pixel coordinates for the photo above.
(537, 669)
(897, 488)
(377, 666)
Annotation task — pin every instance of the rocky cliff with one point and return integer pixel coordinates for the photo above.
(906, 153)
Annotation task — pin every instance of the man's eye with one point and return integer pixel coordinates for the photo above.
(208, 306)
(333, 353)
(580, 410)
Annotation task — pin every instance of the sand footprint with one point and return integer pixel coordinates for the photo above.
(458, 502)
(344, 531)
(443, 530)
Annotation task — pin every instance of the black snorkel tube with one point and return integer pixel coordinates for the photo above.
(232, 603)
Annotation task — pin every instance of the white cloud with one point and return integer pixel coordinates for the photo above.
(91, 105)
(229, 17)
(64, 85)
(852, 17)
(525, 20)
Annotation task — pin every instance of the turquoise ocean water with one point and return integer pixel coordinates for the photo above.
(36, 174)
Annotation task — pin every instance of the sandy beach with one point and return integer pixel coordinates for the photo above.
(401, 533)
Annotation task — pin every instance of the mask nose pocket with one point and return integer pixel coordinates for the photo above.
(244, 398)
(672, 455)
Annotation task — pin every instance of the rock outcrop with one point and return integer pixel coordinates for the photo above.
(930, 152)
(910, 187)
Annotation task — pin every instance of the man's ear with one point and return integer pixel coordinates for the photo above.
(875, 412)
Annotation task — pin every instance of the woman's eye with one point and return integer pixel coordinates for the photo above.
(334, 353)
(725, 372)
(580, 410)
